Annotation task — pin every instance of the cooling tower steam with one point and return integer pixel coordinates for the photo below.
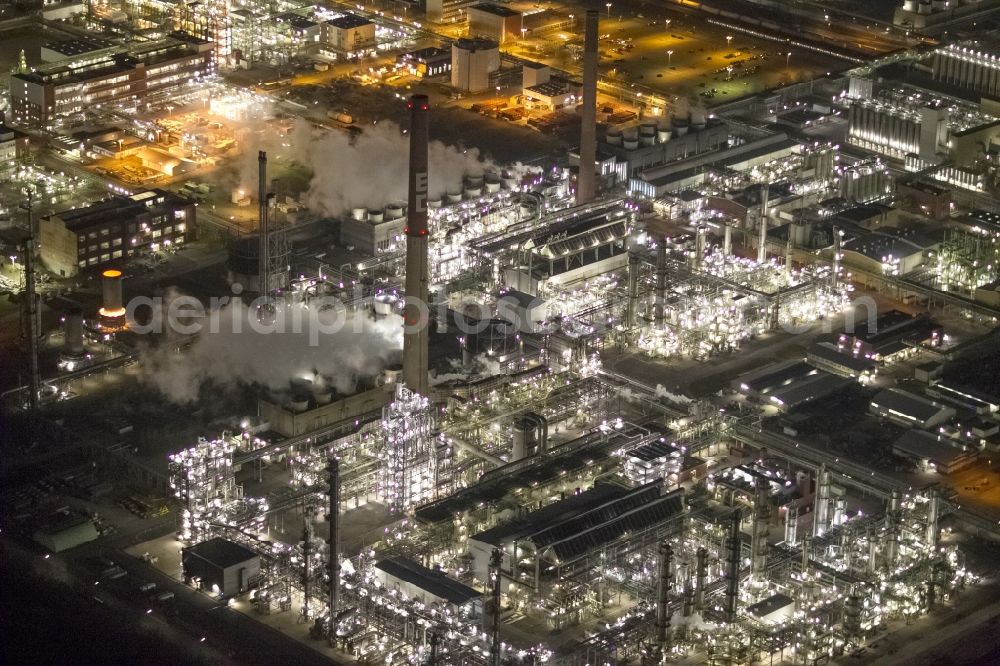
(363, 171)
(234, 348)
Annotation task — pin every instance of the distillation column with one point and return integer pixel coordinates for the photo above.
(758, 544)
(660, 297)
(333, 563)
(762, 242)
(701, 577)
(791, 525)
(733, 566)
(822, 509)
(892, 519)
(933, 512)
(415, 312)
(837, 238)
(634, 266)
(31, 314)
(663, 599)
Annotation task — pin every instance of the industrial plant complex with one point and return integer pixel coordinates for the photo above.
(500, 334)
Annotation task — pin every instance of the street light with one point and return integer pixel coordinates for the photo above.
(608, 5)
(729, 40)
(667, 22)
(669, 53)
(788, 57)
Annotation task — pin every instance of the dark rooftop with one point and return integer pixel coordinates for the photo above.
(497, 10)
(580, 522)
(75, 47)
(348, 21)
(432, 581)
(221, 552)
(117, 208)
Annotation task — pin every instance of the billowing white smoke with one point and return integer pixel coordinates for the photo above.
(234, 348)
(365, 171)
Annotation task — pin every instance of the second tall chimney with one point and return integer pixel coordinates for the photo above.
(586, 181)
(416, 310)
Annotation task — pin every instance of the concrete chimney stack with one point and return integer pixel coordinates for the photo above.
(586, 182)
(74, 333)
(112, 309)
(264, 230)
(415, 313)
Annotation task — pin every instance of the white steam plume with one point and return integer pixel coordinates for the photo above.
(233, 349)
(365, 171)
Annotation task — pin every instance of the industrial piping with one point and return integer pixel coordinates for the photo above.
(733, 566)
(586, 180)
(663, 598)
(415, 312)
(660, 297)
(762, 244)
(701, 576)
(333, 563)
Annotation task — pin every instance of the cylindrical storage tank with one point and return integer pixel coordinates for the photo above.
(524, 438)
(509, 182)
(698, 119)
(493, 186)
(74, 332)
(391, 373)
(909, 5)
(541, 431)
(323, 396)
(393, 212)
(662, 135)
(375, 215)
(453, 197)
(359, 214)
(939, 5)
(474, 181)
(472, 192)
(645, 140)
(647, 129)
(298, 404)
(680, 126)
(434, 204)
(924, 8)
(383, 304)
(613, 137)
(111, 289)
(243, 265)
(630, 144)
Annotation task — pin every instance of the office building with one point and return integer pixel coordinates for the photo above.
(115, 79)
(114, 229)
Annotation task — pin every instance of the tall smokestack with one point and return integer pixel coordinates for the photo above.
(264, 230)
(415, 313)
(73, 347)
(585, 184)
(112, 308)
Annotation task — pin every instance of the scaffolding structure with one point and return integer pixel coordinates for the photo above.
(408, 474)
